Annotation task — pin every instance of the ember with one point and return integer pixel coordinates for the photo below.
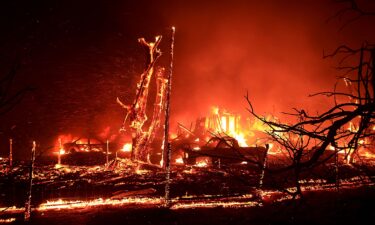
(9, 220)
(60, 204)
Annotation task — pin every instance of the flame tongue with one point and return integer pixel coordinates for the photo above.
(127, 147)
(222, 122)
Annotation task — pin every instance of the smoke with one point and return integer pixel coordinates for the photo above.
(271, 49)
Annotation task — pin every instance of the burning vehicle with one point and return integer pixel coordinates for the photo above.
(84, 145)
(223, 151)
(85, 151)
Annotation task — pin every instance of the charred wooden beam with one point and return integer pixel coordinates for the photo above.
(29, 194)
(167, 154)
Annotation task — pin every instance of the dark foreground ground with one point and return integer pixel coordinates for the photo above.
(354, 204)
(350, 206)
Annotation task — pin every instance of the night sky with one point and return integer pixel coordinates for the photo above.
(78, 56)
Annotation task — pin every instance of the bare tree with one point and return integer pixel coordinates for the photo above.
(136, 113)
(352, 7)
(345, 127)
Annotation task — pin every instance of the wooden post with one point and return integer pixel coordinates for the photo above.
(89, 143)
(337, 170)
(168, 177)
(106, 158)
(31, 172)
(264, 166)
(59, 153)
(167, 102)
(167, 154)
(10, 153)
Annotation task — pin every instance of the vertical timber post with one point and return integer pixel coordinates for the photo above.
(10, 153)
(31, 172)
(167, 154)
(59, 153)
(264, 166)
(168, 176)
(337, 170)
(106, 155)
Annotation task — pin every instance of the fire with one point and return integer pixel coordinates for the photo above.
(136, 113)
(141, 172)
(127, 147)
(173, 136)
(222, 122)
(223, 126)
(215, 110)
(241, 140)
(202, 162)
(352, 128)
(161, 163)
(272, 150)
(213, 204)
(8, 220)
(179, 160)
(12, 209)
(368, 155)
(62, 151)
(58, 166)
(61, 204)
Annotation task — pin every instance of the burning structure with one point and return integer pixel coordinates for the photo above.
(217, 139)
(136, 113)
(220, 133)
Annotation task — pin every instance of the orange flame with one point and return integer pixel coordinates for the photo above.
(179, 160)
(202, 162)
(62, 151)
(127, 147)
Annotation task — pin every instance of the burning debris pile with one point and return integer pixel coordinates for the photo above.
(215, 140)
